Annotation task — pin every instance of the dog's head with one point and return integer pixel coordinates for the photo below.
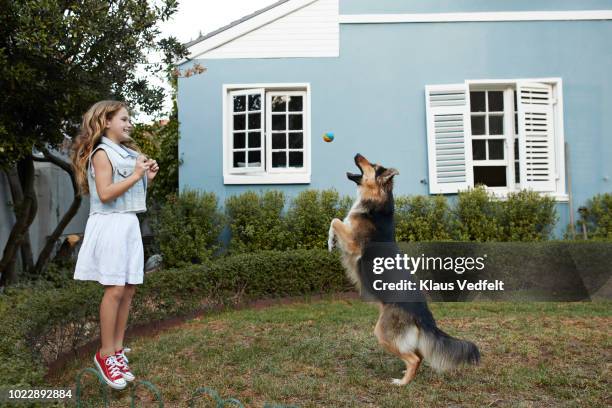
(375, 181)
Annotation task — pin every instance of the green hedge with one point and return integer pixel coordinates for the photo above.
(310, 214)
(475, 215)
(261, 221)
(423, 218)
(39, 323)
(256, 221)
(187, 228)
(597, 216)
(522, 216)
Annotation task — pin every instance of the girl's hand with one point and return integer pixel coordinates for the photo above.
(153, 169)
(141, 166)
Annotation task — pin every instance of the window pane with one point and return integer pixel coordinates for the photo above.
(239, 159)
(496, 125)
(254, 158)
(477, 101)
(278, 104)
(255, 121)
(254, 139)
(295, 141)
(279, 159)
(254, 102)
(239, 122)
(239, 140)
(478, 125)
(491, 176)
(278, 141)
(295, 103)
(296, 159)
(496, 101)
(515, 107)
(496, 149)
(279, 122)
(479, 150)
(295, 122)
(239, 103)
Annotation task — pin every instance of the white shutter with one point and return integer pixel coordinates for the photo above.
(536, 136)
(448, 138)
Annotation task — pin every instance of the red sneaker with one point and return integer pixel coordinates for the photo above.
(122, 362)
(110, 371)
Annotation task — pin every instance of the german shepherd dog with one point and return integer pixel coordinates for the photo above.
(406, 329)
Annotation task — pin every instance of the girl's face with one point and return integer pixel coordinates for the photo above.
(119, 127)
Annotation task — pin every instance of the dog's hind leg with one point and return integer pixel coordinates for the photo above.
(412, 365)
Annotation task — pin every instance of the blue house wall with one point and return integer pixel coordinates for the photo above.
(372, 95)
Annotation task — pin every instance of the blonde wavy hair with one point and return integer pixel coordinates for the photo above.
(92, 129)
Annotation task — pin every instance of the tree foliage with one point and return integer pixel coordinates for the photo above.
(59, 57)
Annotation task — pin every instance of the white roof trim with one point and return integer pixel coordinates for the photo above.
(477, 16)
(245, 27)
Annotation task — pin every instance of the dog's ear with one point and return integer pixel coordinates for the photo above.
(388, 174)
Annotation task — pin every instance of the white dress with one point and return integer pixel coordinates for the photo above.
(112, 251)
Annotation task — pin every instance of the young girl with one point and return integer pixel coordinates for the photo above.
(109, 167)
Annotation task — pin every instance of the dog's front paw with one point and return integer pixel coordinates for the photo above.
(331, 242)
(397, 381)
(331, 237)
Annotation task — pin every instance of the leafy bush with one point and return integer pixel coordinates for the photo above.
(478, 216)
(423, 218)
(256, 221)
(41, 323)
(187, 228)
(598, 217)
(310, 214)
(527, 216)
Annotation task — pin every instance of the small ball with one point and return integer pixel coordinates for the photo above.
(328, 137)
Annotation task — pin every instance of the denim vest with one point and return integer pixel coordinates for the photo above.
(123, 160)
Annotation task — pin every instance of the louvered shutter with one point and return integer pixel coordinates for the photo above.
(448, 138)
(536, 136)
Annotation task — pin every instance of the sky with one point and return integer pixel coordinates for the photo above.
(200, 16)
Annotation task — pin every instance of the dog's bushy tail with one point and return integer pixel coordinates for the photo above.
(444, 352)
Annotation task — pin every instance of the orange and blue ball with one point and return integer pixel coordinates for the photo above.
(328, 137)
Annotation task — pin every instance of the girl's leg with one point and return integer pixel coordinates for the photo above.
(108, 318)
(122, 315)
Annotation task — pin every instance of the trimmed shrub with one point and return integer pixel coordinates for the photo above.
(310, 214)
(187, 228)
(478, 216)
(256, 221)
(598, 217)
(40, 323)
(527, 216)
(423, 218)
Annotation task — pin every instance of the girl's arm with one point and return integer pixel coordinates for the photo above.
(107, 190)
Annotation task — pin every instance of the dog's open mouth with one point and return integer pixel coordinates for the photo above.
(353, 176)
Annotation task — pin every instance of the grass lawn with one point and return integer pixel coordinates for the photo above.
(324, 354)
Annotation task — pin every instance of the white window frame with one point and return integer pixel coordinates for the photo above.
(304, 130)
(508, 160)
(560, 193)
(277, 176)
(246, 93)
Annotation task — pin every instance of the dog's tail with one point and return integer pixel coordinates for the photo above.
(444, 352)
